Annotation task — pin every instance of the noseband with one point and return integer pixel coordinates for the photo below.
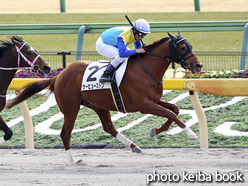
(175, 54)
(20, 54)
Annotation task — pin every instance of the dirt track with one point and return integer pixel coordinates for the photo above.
(109, 167)
(120, 6)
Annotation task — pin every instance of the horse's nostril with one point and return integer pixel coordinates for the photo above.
(198, 66)
(47, 69)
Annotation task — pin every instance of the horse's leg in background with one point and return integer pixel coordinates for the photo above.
(155, 131)
(6, 130)
(174, 108)
(3, 125)
(169, 111)
(109, 127)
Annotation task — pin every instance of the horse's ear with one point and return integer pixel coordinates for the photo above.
(173, 38)
(179, 33)
(14, 41)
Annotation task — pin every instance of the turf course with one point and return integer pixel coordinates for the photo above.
(201, 41)
(139, 133)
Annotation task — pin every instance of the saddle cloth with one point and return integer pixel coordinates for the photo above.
(95, 70)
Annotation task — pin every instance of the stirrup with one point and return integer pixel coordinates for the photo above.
(104, 80)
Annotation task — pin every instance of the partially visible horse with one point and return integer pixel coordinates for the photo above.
(141, 89)
(16, 54)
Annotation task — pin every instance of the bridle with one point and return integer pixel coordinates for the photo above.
(20, 54)
(180, 59)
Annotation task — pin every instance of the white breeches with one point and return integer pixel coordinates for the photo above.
(109, 51)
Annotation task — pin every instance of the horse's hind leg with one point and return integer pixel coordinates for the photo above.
(6, 130)
(109, 127)
(70, 115)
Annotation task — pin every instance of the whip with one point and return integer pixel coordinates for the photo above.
(134, 28)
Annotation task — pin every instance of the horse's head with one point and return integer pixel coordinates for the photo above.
(29, 56)
(181, 52)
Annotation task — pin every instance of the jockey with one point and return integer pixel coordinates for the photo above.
(113, 44)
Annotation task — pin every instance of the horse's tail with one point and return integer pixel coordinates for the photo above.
(30, 90)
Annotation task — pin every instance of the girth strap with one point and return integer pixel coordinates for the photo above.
(117, 97)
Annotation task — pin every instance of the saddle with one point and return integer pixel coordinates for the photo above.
(92, 75)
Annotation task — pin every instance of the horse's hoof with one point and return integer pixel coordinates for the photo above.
(137, 150)
(193, 136)
(69, 157)
(2, 140)
(153, 132)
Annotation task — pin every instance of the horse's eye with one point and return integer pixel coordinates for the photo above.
(183, 48)
(29, 53)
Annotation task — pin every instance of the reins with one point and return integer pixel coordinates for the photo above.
(158, 56)
(149, 71)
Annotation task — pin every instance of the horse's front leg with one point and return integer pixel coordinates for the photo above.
(6, 130)
(174, 108)
(109, 127)
(155, 131)
(169, 111)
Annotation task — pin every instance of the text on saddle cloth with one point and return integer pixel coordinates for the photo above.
(94, 72)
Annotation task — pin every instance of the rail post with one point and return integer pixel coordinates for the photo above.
(28, 125)
(201, 118)
(64, 53)
(62, 6)
(80, 41)
(244, 48)
(197, 5)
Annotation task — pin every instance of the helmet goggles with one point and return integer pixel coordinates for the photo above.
(141, 34)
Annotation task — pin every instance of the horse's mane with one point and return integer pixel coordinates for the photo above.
(8, 44)
(149, 48)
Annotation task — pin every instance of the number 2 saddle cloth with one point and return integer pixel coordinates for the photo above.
(95, 70)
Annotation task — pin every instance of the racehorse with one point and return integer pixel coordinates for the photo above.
(16, 54)
(141, 89)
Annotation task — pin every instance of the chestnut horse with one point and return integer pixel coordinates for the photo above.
(16, 54)
(141, 89)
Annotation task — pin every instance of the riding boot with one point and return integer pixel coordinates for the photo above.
(106, 76)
